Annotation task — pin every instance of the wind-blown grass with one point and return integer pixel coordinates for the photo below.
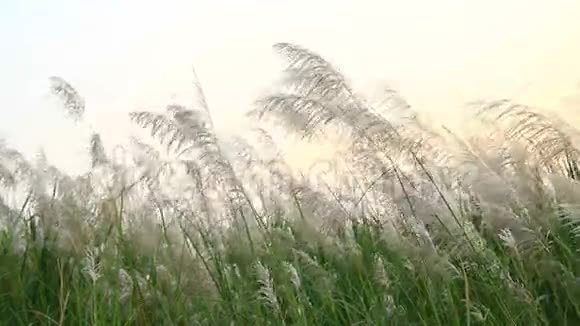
(409, 225)
(367, 273)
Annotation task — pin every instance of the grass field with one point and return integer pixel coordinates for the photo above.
(292, 274)
(409, 225)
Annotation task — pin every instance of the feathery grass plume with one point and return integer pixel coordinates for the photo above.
(150, 165)
(391, 102)
(507, 237)
(6, 176)
(197, 127)
(250, 166)
(13, 166)
(382, 278)
(143, 153)
(317, 96)
(97, 150)
(476, 163)
(169, 134)
(422, 234)
(92, 266)
(324, 212)
(312, 270)
(161, 127)
(266, 291)
(74, 104)
(189, 133)
(294, 276)
(569, 216)
(380, 273)
(563, 189)
(553, 142)
(416, 135)
(125, 285)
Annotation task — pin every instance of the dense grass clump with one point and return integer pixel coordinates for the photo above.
(408, 225)
(292, 274)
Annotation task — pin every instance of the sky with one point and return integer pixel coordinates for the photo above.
(132, 55)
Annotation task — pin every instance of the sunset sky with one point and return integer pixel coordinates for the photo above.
(130, 55)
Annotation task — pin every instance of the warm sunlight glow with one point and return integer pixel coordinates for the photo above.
(438, 54)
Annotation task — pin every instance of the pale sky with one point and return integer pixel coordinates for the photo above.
(130, 55)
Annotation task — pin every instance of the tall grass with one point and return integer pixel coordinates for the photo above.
(409, 225)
